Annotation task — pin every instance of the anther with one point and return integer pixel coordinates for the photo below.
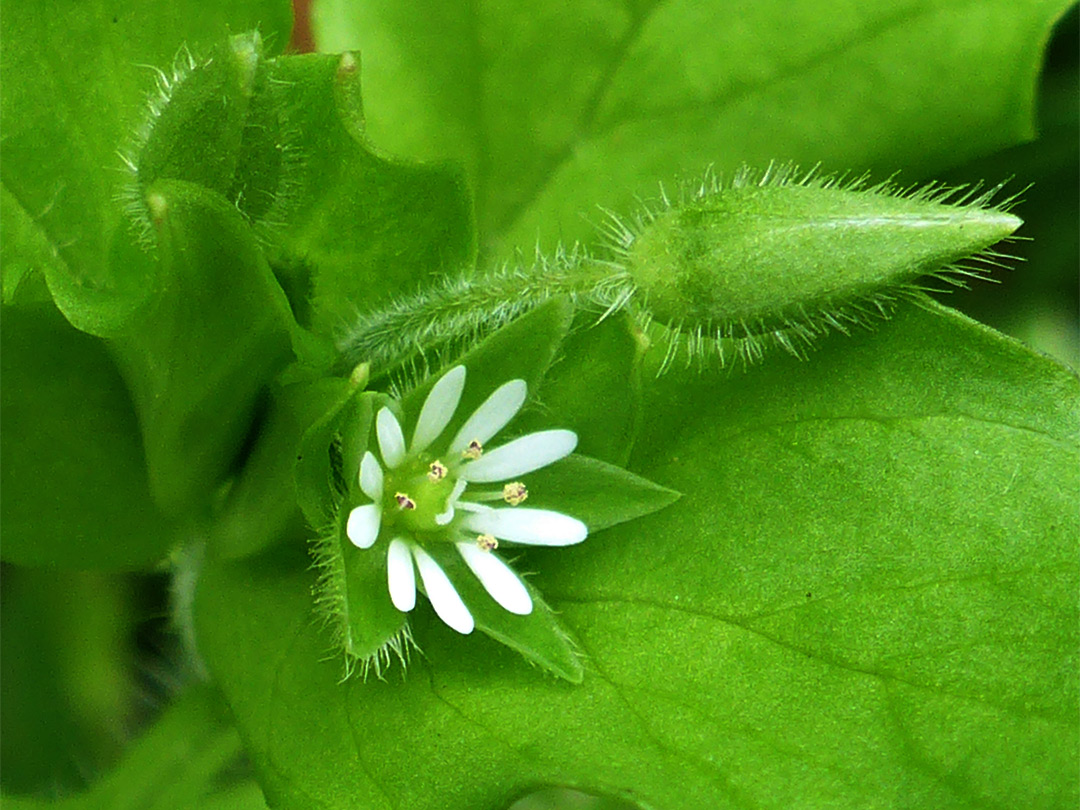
(473, 451)
(404, 501)
(514, 493)
(487, 542)
(436, 471)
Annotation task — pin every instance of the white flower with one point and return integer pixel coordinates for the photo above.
(420, 496)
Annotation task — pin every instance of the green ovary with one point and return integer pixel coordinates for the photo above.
(428, 498)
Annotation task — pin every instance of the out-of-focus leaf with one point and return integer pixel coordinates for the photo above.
(73, 474)
(554, 109)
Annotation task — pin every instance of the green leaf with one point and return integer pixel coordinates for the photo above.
(355, 225)
(66, 675)
(72, 469)
(597, 493)
(865, 596)
(631, 94)
(73, 97)
(200, 355)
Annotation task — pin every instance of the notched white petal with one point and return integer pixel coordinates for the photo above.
(530, 452)
(498, 579)
(371, 477)
(438, 408)
(444, 598)
(492, 416)
(363, 525)
(391, 439)
(530, 527)
(471, 506)
(401, 576)
(443, 518)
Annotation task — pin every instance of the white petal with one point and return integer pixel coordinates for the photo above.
(497, 578)
(363, 525)
(530, 452)
(371, 478)
(438, 408)
(530, 527)
(444, 598)
(492, 416)
(391, 440)
(472, 506)
(400, 575)
(443, 518)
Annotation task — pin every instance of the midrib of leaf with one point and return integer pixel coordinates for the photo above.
(995, 575)
(585, 128)
(733, 622)
(890, 422)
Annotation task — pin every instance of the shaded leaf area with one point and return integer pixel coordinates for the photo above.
(76, 492)
(865, 596)
(190, 759)
(74, 95)
(65, 676)
(554, 109)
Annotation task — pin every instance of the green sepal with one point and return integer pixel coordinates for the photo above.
(72, 470)
(352, 592)
(523, 349)
(330, 451)
(595, 492)
(200, 354)
(539, 636)
(594, 387)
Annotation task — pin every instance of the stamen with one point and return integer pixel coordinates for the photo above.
(436, 471)
(487, 542)
(404, 501)
(473, 451)
(514, 493)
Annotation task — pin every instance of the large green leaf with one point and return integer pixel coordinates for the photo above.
(199, 356)
(556, 108)
(866, 597)
(351, 226)
(73, 96)
(74, 479)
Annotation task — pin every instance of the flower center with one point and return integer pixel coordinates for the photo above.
(416, 494)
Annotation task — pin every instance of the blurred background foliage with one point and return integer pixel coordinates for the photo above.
(88, 659)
